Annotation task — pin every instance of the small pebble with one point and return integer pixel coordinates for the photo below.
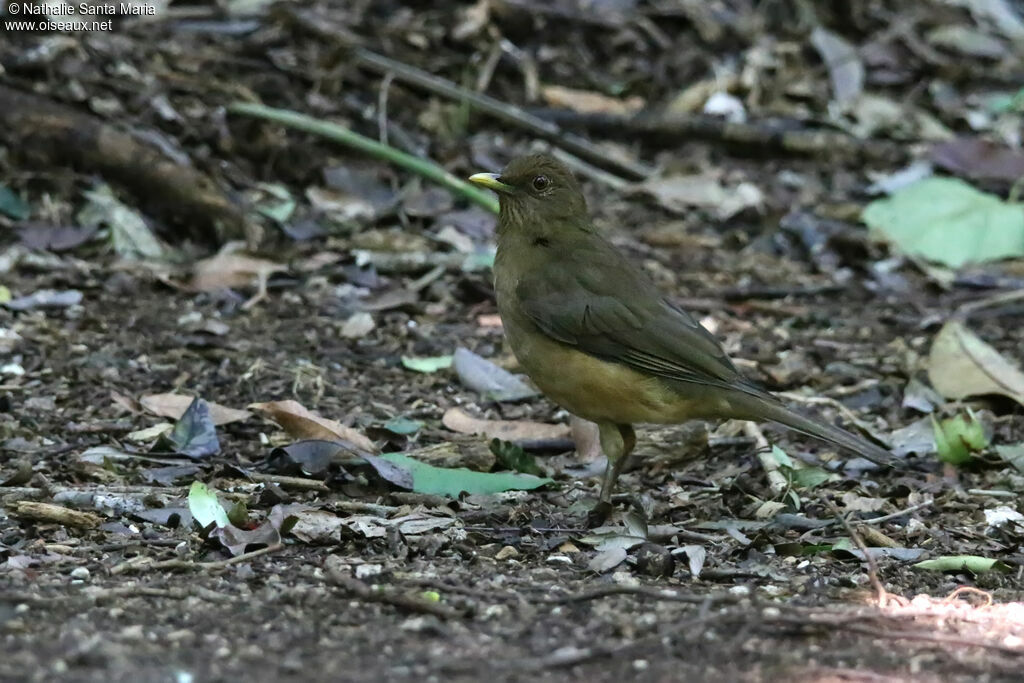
(506, 553)
(80, 573)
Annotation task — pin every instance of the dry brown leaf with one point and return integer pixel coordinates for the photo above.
(174, 406)
(458, 420)
(680, 193)
(300, 423)
(961, 364)
(586, 102)
(227, 269)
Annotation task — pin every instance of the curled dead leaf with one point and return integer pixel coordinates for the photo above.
(961, 364)
(301, 423)
(458, 420)
(174, 406)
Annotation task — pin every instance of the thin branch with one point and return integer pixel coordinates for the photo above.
(422, 167)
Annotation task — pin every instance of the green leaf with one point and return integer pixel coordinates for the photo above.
(958, 563)
(427, 364)
(204, 506)
(947, 221)
(782, 457)
(800, 475)
(403, 426)
(12, 205)
(130, 235)
(514, 457)
(809, 477)
(279, 209)
(420, 477)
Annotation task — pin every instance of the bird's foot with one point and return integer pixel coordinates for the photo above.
(599, 514)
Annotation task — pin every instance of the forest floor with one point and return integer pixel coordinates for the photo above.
(705, 572)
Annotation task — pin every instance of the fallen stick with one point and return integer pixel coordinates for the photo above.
(51, 133)
(547, 130)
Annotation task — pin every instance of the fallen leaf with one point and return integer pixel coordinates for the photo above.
(403, 426)
(229, 270)
(696, 555)
(12, 205)
(46, 298)
(680, 193)
(974, 564)
(428, 364)
(357, 325)
(55, 237)
(495, 383)
(300, 423)
(206, 509)
(514, 458)
(458, 420)
(130, 235)
(420, 477)
(979, 159)
(960, 364)
(845, 68)
(1013, 455)
(174, 406)
(947, 221)
(311, 457)
(966, 41)
(587, 102)
(193, 435)
(277, 202)
(606, 560)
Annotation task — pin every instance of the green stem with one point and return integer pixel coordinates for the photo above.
(422, 167)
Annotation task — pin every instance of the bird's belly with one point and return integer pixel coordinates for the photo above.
(599, 390)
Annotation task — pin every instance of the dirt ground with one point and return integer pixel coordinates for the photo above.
(735, 582)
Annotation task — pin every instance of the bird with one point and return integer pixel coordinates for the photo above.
(597, 336)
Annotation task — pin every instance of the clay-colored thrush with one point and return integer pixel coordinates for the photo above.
(596, 335)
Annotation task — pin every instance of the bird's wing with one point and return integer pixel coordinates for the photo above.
(597, 301)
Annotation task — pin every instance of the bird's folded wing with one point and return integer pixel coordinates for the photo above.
(597, 302)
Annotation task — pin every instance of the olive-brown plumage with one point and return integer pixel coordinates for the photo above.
(596, 335)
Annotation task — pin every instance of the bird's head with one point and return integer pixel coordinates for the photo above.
(535, 191)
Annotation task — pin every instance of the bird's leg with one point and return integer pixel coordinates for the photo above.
(617, 442)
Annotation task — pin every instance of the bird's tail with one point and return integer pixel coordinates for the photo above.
(770, 409)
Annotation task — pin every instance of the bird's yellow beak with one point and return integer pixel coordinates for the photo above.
(491, 181)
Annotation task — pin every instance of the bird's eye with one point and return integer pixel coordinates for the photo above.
(541, 182)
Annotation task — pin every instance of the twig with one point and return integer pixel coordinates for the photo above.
(759, 138)
(967, 310)
(134, 564)
(880, 593)
(894, 515)
(384, 596)
(423, 167)
(56, 514)
(509, 113)
(299, 483)
(589, 170)
(777, 483)
(666, 594)
(382, 107)
(503, 111)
